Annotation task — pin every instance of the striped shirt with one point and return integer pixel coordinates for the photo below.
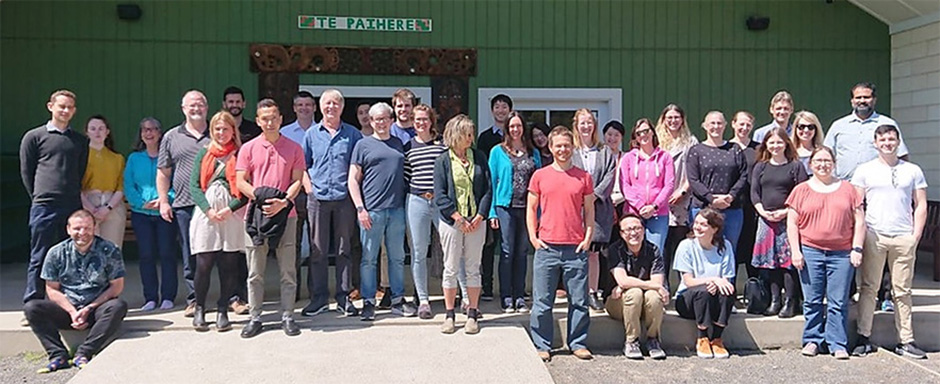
(178, 150)
(419, 165)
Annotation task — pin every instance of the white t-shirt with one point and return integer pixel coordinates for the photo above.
(889, 195)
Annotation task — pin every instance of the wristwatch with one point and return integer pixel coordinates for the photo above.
(857, 249)
(360, 208)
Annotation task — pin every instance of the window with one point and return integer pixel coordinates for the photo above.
(553, 106)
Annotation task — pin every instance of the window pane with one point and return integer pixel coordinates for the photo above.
(561, 118)
(533, 116)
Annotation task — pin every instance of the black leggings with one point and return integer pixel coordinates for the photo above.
(228, 275)
(710, 312)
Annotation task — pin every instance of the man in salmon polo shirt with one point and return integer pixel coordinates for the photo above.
(560, 234)
(269, 171)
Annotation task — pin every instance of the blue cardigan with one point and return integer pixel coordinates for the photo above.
(501, 173)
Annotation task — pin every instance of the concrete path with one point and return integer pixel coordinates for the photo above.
(355, 353)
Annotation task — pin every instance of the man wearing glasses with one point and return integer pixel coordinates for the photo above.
(896, 195)
(639, 271)
(851, 136)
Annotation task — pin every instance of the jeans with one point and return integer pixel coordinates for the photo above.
(550, 264)
(826, 274)
(183, 216)
(46, 318)
(421, 217)
(513, 260)
(46, 228)
(155, 238)
(657, 227)
(387, 225)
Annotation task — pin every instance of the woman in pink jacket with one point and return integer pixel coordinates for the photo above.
(647, 179)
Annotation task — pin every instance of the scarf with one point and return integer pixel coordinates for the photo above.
(207, 169)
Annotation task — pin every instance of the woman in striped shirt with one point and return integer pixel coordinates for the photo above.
(420, 153)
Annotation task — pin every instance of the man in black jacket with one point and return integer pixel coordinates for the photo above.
(500, 106)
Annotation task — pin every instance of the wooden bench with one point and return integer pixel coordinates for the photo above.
(930, 240)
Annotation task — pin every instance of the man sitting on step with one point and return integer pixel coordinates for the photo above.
(84, 275)
(638, 269)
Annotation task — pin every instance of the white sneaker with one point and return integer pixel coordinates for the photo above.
(149, 306)
(166, 304)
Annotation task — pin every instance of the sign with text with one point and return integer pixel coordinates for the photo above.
(382, 24)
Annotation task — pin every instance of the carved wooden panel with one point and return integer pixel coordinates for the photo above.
(280, 86)
(363, 60)
(450, 97)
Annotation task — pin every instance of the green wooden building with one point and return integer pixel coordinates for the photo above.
(622, 59)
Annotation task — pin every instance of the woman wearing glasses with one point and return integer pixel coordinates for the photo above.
(674, 137)
(826, 230)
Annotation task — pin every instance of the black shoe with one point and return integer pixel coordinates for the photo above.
(368, 312)
(862, 347)
(594, 303)
(774, 308)
(350, 309)
(508, 306)
(789, 308)
(910, 350)
(253, 328)
(655, 349)
(404, 309)
(313, 309)
(386, 302)
(486, 297)
(290, 327)
(199, 319)
(222, 323)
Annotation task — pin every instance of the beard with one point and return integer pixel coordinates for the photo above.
(235, 111)
(863, 109)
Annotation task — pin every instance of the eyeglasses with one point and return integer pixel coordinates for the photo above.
(643, 131)
(631, 230)
(806, 127)
(381, 119)
(823, 161)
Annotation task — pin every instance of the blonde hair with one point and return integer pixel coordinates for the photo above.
(457, 127)
(781, 97)
(228, 119)
(596, 139)
(62, 92)
(666, 141)
(811, 117)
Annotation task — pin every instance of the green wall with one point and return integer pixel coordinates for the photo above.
(696, 53)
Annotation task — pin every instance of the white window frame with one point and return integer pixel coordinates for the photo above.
(356, 91)
(608, 102)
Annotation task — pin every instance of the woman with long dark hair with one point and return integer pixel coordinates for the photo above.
(511, 166)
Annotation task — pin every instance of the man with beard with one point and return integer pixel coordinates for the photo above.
(852, 137)
(233, 101)
(175, 166)
(404, 126)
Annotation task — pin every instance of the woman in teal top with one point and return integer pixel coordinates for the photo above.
(155, 237)
(511, 166)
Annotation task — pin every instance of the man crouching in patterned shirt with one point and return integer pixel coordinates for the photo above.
(84, 276)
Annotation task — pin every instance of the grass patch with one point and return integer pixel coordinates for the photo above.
(34, 357)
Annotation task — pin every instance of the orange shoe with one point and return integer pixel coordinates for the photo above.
(703, 348)
(718, 349)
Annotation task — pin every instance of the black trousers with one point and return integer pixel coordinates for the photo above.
(488, 260)
(46, 318)
(333, 225)
(706, 309)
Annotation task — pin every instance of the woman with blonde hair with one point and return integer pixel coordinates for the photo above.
(462, 196)
(217, 229)
(674, 137)
(592, 155)
(806, 136)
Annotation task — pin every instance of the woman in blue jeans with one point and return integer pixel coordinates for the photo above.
(717, 171)
(156, 237)
(826, 230)
(420, 153)
(511, 166)
(647, 178)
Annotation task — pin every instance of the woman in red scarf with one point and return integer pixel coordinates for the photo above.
(217, 231)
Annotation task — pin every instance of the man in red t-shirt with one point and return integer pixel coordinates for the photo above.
(560, 220)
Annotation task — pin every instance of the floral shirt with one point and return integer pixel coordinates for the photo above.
(83, 277)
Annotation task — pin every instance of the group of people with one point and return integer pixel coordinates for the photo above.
(607, 224)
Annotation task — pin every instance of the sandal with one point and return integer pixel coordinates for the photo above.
(55, 365)
(80, 362)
